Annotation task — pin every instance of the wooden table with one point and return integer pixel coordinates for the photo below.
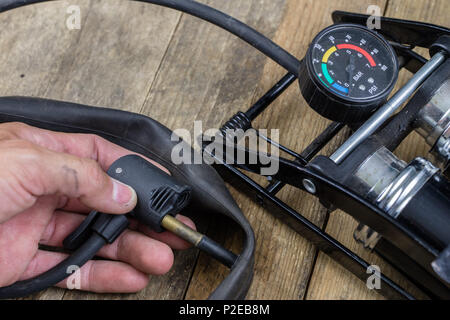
(177, 69)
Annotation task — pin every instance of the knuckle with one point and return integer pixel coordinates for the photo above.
(90, 145)
(21, 182)
(27, 155)
(15, 126)
(18, 144)
(94, 142)
(12, 130)
(16, 195)
(6, 134)
(22, 150)
(94, 173)
(92, 138)
(22, 161)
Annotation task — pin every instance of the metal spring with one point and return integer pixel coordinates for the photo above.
(236, 122)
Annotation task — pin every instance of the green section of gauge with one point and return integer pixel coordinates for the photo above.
(326, 74)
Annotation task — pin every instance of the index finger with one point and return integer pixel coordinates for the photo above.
(78, 144)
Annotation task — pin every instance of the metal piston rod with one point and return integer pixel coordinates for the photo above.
(386, 111)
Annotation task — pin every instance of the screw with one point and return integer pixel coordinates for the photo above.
(309, 186)
(119, 170)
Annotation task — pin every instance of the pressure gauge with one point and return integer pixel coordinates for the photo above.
(348, 72)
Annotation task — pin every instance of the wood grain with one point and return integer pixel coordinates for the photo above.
(208, 74)
(284, 259)
(178, 69)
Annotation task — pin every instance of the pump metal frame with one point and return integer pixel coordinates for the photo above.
(299, 173)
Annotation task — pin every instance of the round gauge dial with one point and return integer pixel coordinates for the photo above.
(351, 66)
(353, 62)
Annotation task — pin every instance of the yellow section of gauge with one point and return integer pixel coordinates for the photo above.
(328, 54)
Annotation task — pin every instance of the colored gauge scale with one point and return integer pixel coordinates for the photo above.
(370, 63)
(348, 72)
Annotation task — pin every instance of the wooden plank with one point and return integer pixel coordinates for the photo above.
(117, 61)
(331, 281)
(112, 61)
(30, 54)
(208, 75)
(284, 259)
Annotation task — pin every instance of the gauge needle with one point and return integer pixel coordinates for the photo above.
(350, 68)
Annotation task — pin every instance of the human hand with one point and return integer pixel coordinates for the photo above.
(48, 182)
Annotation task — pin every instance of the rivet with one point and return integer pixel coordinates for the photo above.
(309, 186)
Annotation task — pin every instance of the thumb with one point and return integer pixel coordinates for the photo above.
(85, 179)
(81, 178)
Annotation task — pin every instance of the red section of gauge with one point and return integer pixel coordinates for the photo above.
(356, 48)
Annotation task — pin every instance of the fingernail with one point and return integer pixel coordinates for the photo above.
(123, 194)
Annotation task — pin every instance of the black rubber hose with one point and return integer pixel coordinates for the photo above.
(220, 19)
(58, 273)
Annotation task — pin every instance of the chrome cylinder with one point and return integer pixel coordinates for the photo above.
(391, 184)
(394, 198)
(442, 150)
(433, 123)
(377, 172)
